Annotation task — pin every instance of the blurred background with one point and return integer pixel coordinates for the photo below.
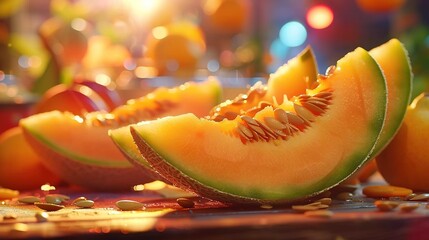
(123, 42)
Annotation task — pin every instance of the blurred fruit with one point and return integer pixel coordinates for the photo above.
(109, 96)
(103, 53)
(9, 7)
(380, 5)
(20, 166)
(176, 47)
(66, 44)
(226, 16)
(405, 161)
(77, 99)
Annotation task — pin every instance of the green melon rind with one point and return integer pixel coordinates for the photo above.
(399, 86)
(180, 176)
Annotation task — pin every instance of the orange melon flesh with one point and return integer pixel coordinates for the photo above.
(84, 154)
(294, 77)
(290, 79)
(209, 157)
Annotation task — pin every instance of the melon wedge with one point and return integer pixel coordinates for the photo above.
(256, 160)
(80, 151)
(290, 79)
(395, 64)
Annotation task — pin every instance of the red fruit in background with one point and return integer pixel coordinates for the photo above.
(77, 99)
(110, 96)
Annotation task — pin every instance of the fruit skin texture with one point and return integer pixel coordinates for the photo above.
(405, 161)
(20, 167)
(210, 158)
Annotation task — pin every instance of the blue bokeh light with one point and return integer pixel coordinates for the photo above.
(293, 34)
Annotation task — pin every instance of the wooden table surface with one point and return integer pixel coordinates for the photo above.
(163, 218)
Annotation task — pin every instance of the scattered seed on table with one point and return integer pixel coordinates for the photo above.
(325, 201)
(408, 207)
(386, 191)
(129, 205)
(53, 199)
(49, 206)
(420, 197)
(304, 208)
(319, 213)
(42, 216)
(386, 206)
(185, 202)
(29, 199)
(84, 203)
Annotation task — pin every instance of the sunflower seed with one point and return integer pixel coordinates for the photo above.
(49, 206)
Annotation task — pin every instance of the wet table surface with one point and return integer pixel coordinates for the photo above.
(164, 218)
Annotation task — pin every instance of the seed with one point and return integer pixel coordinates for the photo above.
(344, 196)
(257, 129)
(295, 119)
(29, 199)
(244, 131)
(268, 131)
(330, 70)
(325, 201)
(408, 207)
(319, 213)
(274, 123)
(304, 113)
(249, 120)
(84, 203)
(386, 191)
(49, 206)
(78, 200)
(42, 216)
(53, 199)
(281, 115)
(185, 202)
(304, 208)
(386, 206)
(420, 197)
(311, 106)
(129, 205)
(266, 206)
(323, 95)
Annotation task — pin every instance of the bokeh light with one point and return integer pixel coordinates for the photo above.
(320, 16)
(293, 34)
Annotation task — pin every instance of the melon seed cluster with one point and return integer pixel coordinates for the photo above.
(284, 123)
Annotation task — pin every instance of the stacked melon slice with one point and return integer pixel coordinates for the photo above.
(285, 149)
(79, 150)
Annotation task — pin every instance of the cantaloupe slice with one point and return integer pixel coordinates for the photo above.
(286, 152)
(395, 64)
(290, 79)
(80, 151)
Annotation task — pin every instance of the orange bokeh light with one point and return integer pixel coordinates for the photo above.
(320, 16)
